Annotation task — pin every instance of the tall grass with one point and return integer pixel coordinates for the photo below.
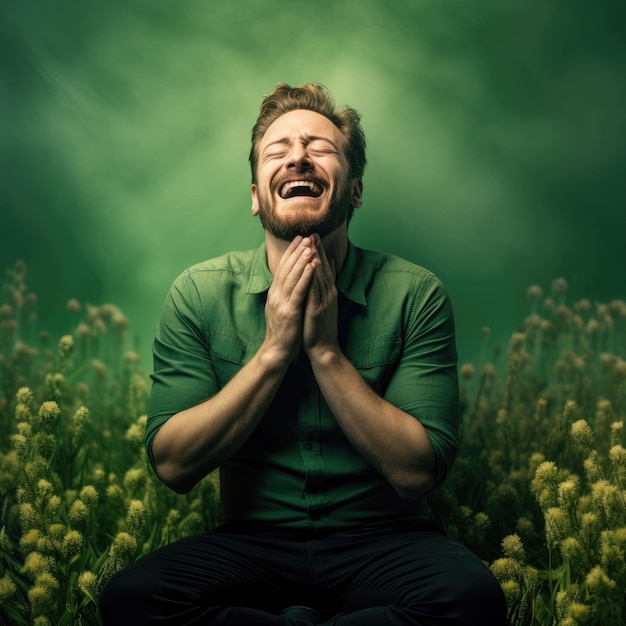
(538, 490)
(78, 500)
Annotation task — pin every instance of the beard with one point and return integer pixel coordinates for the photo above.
(299, 223)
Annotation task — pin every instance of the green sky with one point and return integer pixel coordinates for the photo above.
(496, 141)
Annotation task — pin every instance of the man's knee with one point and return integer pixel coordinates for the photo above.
(122, 599)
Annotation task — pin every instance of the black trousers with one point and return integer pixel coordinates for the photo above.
(229, 578)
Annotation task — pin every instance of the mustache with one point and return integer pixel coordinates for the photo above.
(308, 176)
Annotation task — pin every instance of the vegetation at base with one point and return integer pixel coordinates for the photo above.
(538, 489)
(78, 500)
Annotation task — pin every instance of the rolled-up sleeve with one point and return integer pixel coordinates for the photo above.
(425, 382)
(183, 374)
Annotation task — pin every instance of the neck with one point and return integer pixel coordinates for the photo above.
(335, 245)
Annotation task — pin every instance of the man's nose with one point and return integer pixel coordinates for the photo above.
(299, 158)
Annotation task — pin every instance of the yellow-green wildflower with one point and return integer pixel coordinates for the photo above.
(192, 524)
(52, 506)
(557, 525)
(72, 544)
(24, 396)
(89, 495)
(547, 473)
(135, 479)
(23, 413)
(44, 488)
(25, 429)
(580, 613)
(513, 548)
(42, 598)
(582, 433)
(28, 517)
(590, 528)
(21, 446)
(120, 554)
(481, 520)
(7, 587)
(592, 467)
(617, 454)
(78, 513)
(88, 584)
(617, 429)
(114, 495)
(608, 499)
(79, 420)
(35, 564)
(135, 433)
(66, 345)
(57, 531)
(136, 517)
(612, 552)
(98, 475)
(55, 382)
(28, 541)
(598, 581)
(49, 412)
(571, 550)
(568, 493)
(512, 592)
(506, 569)
(571, 410)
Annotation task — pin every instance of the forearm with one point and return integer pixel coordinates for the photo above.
(393, 441)
(193, 442)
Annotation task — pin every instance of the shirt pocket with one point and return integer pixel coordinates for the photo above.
(375, 359)
(229, 353)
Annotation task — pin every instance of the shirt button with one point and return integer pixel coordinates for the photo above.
(308, 446)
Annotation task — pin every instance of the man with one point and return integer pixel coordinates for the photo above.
(321, 379)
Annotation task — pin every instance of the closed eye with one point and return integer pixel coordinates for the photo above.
(274, 154)
(322, 146)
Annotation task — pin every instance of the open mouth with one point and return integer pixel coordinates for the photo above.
(295, 188)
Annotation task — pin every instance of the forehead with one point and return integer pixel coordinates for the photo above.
(302, 123)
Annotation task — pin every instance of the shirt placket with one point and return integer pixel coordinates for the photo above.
(309, 422)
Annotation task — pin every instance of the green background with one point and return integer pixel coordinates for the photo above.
(496, 140)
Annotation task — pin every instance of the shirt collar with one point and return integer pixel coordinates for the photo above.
(349, 282)
(260, 277)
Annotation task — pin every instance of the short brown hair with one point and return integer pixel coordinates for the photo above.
(317, 98)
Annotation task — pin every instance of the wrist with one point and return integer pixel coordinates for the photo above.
(273, 358)
(324, 356)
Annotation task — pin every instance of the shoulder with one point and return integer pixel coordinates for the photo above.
(387, 262)
(235, 262)
(390, 280)
(230, 266)
(382, 266)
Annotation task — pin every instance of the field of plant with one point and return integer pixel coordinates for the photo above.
(538, 490)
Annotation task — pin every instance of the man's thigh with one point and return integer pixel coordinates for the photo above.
(410, 578)
(183, 581)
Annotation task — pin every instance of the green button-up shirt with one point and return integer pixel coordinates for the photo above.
(298, 470)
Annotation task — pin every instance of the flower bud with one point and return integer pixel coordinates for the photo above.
(72, 544)
(513, 548)
(49, 413)
(582, 433)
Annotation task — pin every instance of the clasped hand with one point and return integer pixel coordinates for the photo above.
(301, 308)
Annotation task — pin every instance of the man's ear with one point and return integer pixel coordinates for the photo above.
(255, 200)
(356, 199)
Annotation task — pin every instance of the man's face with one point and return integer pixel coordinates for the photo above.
(302, 185)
